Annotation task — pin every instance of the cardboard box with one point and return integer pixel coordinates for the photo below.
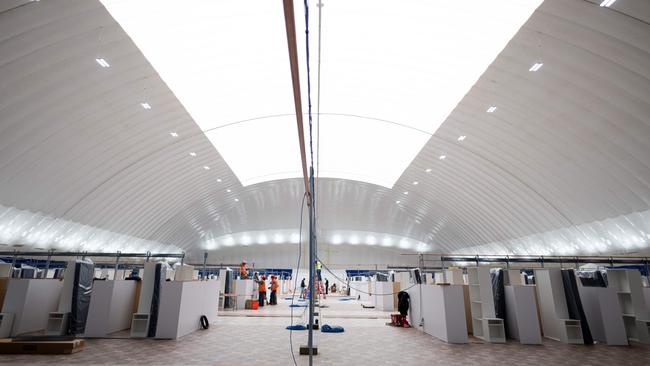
(7, 346)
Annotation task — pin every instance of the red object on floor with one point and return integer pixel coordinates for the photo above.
(399, 320)
(255, 304)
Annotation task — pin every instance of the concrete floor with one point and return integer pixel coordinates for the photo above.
(241, 339)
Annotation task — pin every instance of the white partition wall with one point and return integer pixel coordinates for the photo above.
(636, 315)
(553, 308)
(243, 290)
(603, 314)
(111, 307)
(521, 314)
(360, 289)
(31, 301)
(385, 295)
(443, 310)
(415, 316)
(182, 304)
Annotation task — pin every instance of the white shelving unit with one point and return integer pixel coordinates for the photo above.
(636, 317)
(485, 324)
(553, 308)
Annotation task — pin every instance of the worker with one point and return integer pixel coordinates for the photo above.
(262, 290)
(274, 290)
(302, 288)
(243, 272)
(318, 270)
(327, 286)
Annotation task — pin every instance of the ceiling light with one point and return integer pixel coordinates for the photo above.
(536, 66)
(461, 137)
(193, 154)
(491, 109)
(145, 105)
(607, 3)
(442, 157)
(102, 62)
(174, 134)
(206, 167)
(406, 192)
(228, 190)
(270, 152)
(398, 202)
(236, 199)
(428, 170)
(416, 183)
(218, 180)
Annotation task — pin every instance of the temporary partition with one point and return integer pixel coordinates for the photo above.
(30, 301)
(415, 314)
(144, 322)
(385, 295)
(521, 314)
(556, 323)
(111, 307)
(244, 290)
(183, 303)
(604, 315)
(485, 324)
(443, 312)
(636, 315)
(361, 290)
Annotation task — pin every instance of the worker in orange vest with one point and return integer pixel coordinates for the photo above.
(243, 272)
(274, 290)
(262, 290)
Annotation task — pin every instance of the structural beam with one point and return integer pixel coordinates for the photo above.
(290, 24)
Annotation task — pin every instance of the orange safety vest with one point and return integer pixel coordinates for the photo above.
(274, 285)
(262, 287)
(243, 272)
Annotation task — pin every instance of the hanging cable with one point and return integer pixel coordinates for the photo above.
(363, 292)
(295, 281)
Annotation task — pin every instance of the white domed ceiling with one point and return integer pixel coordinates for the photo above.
(522, 128)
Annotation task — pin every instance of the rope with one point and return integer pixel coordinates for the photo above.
(363, 292)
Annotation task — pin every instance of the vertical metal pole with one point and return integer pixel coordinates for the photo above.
(117, 265)
(205, 261)
(312, 267)
(47, 264)
(444, 273)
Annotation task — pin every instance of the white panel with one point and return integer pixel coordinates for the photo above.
(443, 317)
(182, 303)
(31, 301)
(111, 307)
